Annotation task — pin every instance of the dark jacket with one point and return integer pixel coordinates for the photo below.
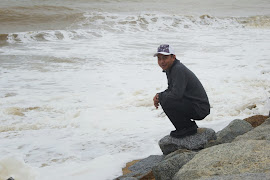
(184, 85)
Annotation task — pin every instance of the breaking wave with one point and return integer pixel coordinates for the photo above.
(154, 22)
(97, 24)
(44, 36)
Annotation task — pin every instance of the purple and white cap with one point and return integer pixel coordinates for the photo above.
(164, 49)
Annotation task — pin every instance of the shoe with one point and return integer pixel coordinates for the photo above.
(184, 132)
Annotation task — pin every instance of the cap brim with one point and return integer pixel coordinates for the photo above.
(164, 53)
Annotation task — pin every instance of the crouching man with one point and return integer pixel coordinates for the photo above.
(185, 99)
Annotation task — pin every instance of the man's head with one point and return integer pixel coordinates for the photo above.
(165, 55)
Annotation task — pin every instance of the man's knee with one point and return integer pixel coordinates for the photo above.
(201, 114)
(171, 103)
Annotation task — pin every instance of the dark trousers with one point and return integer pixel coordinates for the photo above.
(180, 113)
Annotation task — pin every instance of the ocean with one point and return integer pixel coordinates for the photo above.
(78, 77)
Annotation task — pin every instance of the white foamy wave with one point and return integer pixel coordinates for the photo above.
(98, 24)
(17, 169)
(153, 22)
(255, 21)
(59, 35)
(165, 22)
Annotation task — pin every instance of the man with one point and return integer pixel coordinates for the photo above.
(185, 99)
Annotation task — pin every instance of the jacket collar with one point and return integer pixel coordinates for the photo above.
(174, 62)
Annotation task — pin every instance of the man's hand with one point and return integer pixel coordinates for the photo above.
(156, 101)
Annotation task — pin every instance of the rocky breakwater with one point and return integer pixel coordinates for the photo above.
(239, 151)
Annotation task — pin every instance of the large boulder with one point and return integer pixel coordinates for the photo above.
(244, 176)
(229, 133)
(259, 133)
(236, 158)
(166, 169)
(197, 141)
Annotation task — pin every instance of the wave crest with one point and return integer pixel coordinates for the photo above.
(157, 22)
(97, 24)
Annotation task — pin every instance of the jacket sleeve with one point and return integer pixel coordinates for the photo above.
(177, 88)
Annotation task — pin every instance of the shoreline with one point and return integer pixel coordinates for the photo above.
(255, 121)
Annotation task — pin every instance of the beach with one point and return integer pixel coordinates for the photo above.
(78, 78)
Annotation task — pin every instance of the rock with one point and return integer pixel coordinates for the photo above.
(146, 164)
(148, 176)
(256, 120)
(132, 176)
(128, 178)
(197, 141)
(258, 133)
(239, 157)
(229, 133)
(235, 128)
(125, 170)
(166, 169)
(244, 176)
(179, 151)
(143, 168)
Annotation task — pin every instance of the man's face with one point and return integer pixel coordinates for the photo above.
(165, 61)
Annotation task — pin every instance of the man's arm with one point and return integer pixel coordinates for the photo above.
(178, 86)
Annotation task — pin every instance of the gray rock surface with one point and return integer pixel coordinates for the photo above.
(229, 133)
(259, 133)
(244, 176)
(127, 178)
(166, 169)
(146, 164)
(197, 141)
(142, 167)
(239, 157)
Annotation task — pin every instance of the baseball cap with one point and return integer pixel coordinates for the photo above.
(164, 49)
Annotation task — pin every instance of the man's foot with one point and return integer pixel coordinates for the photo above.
(184, 132)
